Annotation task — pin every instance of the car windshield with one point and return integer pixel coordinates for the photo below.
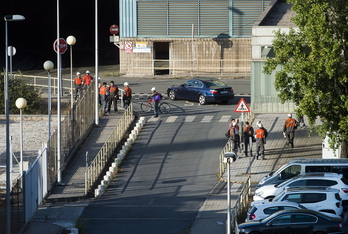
(284, 183)
(215, 83)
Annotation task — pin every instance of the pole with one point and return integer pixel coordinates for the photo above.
(59, 173)
(96, 65)
(228, 224)
(71, 83)
(21, 139)
(49, 109)
(8, 182)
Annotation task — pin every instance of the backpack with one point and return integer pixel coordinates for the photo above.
(266, 132)
(157, 97)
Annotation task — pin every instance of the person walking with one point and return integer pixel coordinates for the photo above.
(103, 92)
(156, 97)
(87, 79)
(260, 141)
(127, 95)
(113, 89)
(233, 136)
(78, 85)
(248, 136)
(289, 130)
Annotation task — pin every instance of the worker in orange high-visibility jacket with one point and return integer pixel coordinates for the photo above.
(87, 79)
(78, 85)
(127, 95)
(260, 142)
(104, 92)
(113, 96)
(289, 130)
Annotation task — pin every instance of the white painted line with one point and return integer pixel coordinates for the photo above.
(153, 119)
(190, 118)
(171, 119)
(225, 118)
(207, 118)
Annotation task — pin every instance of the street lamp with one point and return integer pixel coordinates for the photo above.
(48, 66)
(227, 159)
(21, 103)
(71, 40)
(8, 18)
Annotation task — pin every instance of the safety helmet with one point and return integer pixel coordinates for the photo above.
(290, 115)
(259, 125)
(78, 73)
(153, 89)
(125, 84)
(87, 72)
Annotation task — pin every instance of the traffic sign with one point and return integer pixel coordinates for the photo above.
(62, 46)
(114, 29)
(242, 106)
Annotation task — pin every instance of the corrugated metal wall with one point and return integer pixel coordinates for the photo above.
(151, 18)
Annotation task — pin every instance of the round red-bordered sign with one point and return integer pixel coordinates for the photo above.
(62, 44)
(114, 29)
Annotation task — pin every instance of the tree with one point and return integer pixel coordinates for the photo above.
(20, 88)
(314, 62)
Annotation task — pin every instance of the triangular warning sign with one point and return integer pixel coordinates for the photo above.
(242, 106)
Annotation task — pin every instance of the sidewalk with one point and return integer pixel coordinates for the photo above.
(213, 214)
(211, 219)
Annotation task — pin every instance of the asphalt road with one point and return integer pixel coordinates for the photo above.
(167, 175)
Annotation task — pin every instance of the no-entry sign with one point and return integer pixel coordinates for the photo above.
(62, 46)
(114, 29)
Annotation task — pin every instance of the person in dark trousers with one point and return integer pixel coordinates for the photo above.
(233, 136)
(289, 130)
(260, 141)
(103, 91)
(113, 89)
(127, 95)
(248, 136)
(78, 85)
(156, 97)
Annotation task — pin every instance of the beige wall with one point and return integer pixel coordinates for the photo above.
(229, 56)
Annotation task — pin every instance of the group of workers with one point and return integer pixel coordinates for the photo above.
(259, 136)
(82, 83)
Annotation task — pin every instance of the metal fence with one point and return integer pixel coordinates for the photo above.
(107, 150)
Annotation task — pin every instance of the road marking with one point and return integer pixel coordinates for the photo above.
(225, 118)
(207, 118)
(153, 119)
(171, 119)
(190, 118)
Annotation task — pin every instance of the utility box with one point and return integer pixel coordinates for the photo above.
(328, 152)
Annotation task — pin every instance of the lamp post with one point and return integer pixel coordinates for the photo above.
(11, 53)
(48, 66)
(96, 65)
(71, 40)
(227, 159)
(7, 110)
(21, 103)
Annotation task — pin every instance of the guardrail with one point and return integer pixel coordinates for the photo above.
(241, 204)
(96, 167)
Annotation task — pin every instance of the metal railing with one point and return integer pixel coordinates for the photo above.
(241, 205)
(96, 167)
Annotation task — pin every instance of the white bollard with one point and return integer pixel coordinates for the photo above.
(102, 182)
(138, 126)
(129, 141)
(101, 187)
(112, 170)
(107, 178)
(97, 192)
(109, 173)
(114, 164)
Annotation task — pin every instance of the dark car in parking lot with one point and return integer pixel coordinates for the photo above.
(203, 90)
(294, 221)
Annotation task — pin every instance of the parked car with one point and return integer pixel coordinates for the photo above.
(262, 210)
(318, 199)
(302, 166)
(294, 221)
(203, 90)
(332, 180)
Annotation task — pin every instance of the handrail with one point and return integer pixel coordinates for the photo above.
(96, 167)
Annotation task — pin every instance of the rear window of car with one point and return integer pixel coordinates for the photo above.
(214, 83)
(318, 182)
(344, 181)
(252, 210)
(271, 210)
(292, 198)
(302, 218)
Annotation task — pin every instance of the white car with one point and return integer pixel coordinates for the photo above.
(318, 199)
(264, 209)
(332, 180)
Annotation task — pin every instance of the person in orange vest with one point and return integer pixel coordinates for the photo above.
(78, 85)
(87, 79)
(103, 92)
(127, 95)
(289, 130)
(113, 89)
(260, 141)
(248, 136)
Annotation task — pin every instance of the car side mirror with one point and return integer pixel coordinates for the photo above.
(269, 224)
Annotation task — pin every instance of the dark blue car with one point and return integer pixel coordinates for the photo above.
(203, 90)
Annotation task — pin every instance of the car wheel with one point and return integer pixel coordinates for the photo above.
(202, 100)
(172, 95)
